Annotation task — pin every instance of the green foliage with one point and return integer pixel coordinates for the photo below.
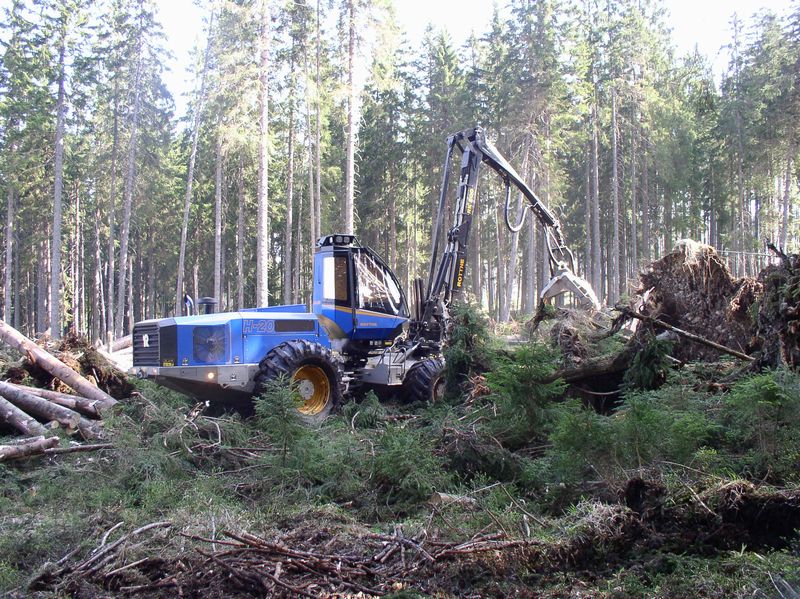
(762, 415)
(523, 402)
(649, 367)
(470, 349)
(648, 427)
(407, 465)
(277, 414)
(364, 414)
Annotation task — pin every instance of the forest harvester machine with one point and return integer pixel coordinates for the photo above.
(360, 331)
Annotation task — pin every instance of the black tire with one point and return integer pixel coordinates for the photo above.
(301, 357)
(424, 381)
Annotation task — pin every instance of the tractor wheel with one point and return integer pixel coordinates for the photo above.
(314, 370)
(425, 381)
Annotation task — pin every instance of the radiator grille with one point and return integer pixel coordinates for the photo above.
(146, 345)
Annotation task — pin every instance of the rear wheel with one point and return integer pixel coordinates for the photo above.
(315, 372)
(425, 381)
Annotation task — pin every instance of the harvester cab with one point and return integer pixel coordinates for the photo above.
(356, 298)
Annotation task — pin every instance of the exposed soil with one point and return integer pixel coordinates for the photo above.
(692, 288)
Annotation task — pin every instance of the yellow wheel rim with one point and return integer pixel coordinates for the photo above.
(314, 389)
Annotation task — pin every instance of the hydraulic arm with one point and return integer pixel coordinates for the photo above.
(448, 273)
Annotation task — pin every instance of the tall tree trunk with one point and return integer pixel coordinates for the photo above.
(98, 305)
(112, 208)
(587, 261)
(646, 245)
(218, 222)
(187, 199)
(634, 243)
(349, 193)
(262, 234)
(55, 246)
(476, 243)
(287, 252)
(9, 261)
(787, 188)
(130, 181)
(316, 220)
(42, 292)
(500, 231)
(512, 259)
(240, 234)
(597, 280)
(614, 279)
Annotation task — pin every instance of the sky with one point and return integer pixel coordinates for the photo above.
(701, 23)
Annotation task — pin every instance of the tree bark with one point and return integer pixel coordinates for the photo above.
(130, 181)
(240, 234)
(9, 258)
(218, 222)
(287, 251)
(614, 279)
(54, 366)
(27, 448)
(787, 189)
(86, 406)
(187, 199)
(646, 245)
(634, 244)
(597, 280)
(262, 235)
(12, 415)
(112, 250)
(317, 220)
(55, 245)
(512, 258)
(349, 193)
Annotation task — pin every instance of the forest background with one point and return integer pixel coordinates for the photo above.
(114, 207)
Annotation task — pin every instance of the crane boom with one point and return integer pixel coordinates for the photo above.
(447, 274)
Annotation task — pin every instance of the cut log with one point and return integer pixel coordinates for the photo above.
(45, 409)
(27, 448)
(121, 343)
(593, 368)
(447, 499)
(54, 366)
(20, 420)
(84, 405)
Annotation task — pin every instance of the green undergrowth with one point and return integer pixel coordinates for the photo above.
(520, 459)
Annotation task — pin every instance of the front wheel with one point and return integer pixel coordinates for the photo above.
(424, 381)
(314, 371)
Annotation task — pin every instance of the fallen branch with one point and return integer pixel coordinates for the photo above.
(686, 334)
(21, 421)
(78, 448)
(27, 448)
(54, 366)
(90, 407)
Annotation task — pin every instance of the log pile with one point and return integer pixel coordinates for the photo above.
(39, 413)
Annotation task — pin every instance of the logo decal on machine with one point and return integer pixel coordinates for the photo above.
(460, 277)
(258, 327)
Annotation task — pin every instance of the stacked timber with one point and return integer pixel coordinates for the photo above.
(38, 413)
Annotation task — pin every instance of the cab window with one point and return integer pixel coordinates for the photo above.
(377, 288)
(334, 278)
